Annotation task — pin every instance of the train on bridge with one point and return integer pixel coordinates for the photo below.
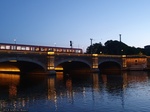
(35, 48)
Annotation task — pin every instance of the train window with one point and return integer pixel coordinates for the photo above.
(37, 49)
(78, 51)
(12, 47)
(67, 50)
(2, 47)
(28, 48)
(32, 48)
(7, 47)
(64, 50)
(18, 47)
(42, 49)
(60, 50)
(54, 49)
(50, 49)
(23, 48)
(45, 49)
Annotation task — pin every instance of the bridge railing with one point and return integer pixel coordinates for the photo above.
(98, 55)
(71, 54)
(102, 55)
(74, 54)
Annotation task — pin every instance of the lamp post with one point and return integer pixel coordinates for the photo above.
(55, 44)
(15, 44)
(15, 41)
(91, 44)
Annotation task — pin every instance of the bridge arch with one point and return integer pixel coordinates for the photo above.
(74, 65)
(110, 65)
(24, 59)
(73, 59)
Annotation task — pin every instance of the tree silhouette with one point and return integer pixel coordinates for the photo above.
(114, 48)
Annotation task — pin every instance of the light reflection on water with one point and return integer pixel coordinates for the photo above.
(127, 91)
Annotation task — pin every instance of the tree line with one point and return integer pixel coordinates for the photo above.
(116, 48)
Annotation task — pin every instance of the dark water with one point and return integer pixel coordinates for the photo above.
(124, 92)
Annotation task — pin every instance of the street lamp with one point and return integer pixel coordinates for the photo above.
(15, 41)
(55, 44)
(15, 44)
(91, 44)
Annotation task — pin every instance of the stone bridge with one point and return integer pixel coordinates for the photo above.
(51, 62)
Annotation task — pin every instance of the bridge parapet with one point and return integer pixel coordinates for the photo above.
(50, 60)
(72, 54)
(110, 56)
(38, 58)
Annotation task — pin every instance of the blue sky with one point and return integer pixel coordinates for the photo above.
(50, 22)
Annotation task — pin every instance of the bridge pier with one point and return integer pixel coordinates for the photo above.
(50, 64)
(95, 63)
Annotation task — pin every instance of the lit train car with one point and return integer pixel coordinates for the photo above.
(34, 48)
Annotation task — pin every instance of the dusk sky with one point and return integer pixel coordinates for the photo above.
(56, 22)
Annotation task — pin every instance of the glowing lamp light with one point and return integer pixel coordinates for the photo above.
(59, 68)
(123, 55)
(9, 70)
(69, 61)
(50, 53)
(13, 61)
(94, 54)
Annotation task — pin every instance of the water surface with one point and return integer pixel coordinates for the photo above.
(75, 92)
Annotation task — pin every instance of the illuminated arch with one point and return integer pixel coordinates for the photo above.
(113, 64)
(73, 59)
(9, 59)
(110, 60)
